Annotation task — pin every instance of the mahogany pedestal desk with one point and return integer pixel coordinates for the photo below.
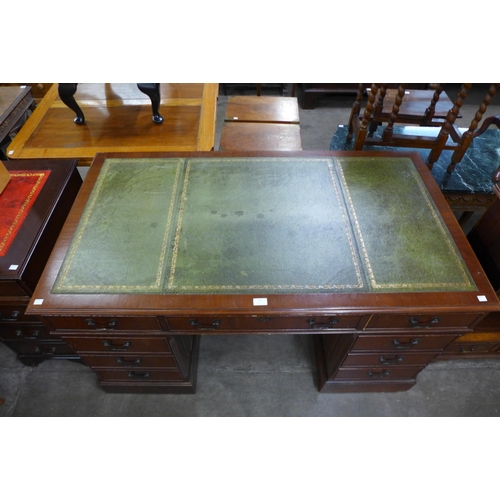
(33, 208)
(358, 249)
(118, 119)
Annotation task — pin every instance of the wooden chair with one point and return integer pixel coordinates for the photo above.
(429, 109)
(264, 123)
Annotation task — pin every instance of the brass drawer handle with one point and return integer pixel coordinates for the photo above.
(113, 323)
(13, 317)
(109, 344)
(407, 345)
(414, 323)
(382, 374)
(391, 361)
(139, 375)
(122, 361)
(213, 326)
(323, 326)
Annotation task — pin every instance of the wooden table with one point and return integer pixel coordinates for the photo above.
(118, 119)
(33, 208)
(359, 249)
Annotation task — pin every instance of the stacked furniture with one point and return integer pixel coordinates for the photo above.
(261, 123)
(430, 110)
(118, 118)
(29, 230)
(484, 238)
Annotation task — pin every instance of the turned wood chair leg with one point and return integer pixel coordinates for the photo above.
(367, 118)
(378, 108)
(356, 108)
(442, 137)
(468, 136)
(387, 134)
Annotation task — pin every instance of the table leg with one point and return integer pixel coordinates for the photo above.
(153, 91)
(66, 93)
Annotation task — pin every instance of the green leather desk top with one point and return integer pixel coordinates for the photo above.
(271, 224)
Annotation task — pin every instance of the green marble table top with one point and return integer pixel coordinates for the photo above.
(274, 224)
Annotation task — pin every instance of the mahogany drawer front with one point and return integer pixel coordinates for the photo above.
(139, 362)
(11, 288)
(392, 373)
(105, 323)
(140, 375)
(415, 321)
(473, 348)
(475, 343)
(119, 344)
(404, 342)
(388, 359)
(25, 332)
(262, 323)
(12, 314)
(45, 348)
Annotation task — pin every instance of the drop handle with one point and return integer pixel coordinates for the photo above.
(47, 350)
(112, 347)
(13, 317)
(414, 323)
(391, 361)
(470, 349)
(139, 375)
(382, 374)
(212, 326)
(21, 335)
(323, 326)
(134, 362)
(111, 325)
(406, 345)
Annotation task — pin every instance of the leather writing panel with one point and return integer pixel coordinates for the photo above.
(276, 225)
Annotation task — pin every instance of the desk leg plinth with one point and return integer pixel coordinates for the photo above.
(330, 352)
(150, 386)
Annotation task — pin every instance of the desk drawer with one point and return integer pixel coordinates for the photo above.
(25, 332)
(13, 314)
(421, 321)
(139, 375)
(131, 362)
(414, 342)
(119, 344)
(393, 373)
(263, 323)
(388, 359)
(104, 323)
(47, 348)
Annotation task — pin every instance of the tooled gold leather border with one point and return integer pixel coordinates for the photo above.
(467, 282)
(20, 214)
(171, 286)
(157, 286)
